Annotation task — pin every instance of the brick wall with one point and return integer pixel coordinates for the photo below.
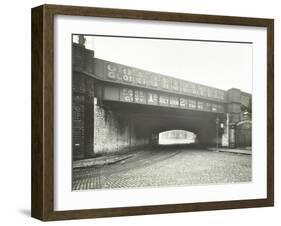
(82, 115)
(114, 132)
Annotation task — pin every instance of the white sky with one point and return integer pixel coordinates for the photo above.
(216, 64)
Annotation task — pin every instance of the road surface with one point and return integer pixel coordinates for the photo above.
(166, 166)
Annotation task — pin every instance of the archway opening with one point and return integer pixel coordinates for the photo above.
(177, 137)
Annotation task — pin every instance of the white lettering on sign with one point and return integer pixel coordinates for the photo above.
(183, 102)
(111, 67)
(152, 98)
(164, 100)
(111, 71)
(140, 96)
(127, 75)
(111, 75)
(192, 103)
(200, 105)
(175, 85)
(127, 95)
(174, 101)
(139, 77)
(214, 107)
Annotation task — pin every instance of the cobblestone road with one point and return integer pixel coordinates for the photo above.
(166, 167)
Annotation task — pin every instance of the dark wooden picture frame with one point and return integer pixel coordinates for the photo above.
(42, 203)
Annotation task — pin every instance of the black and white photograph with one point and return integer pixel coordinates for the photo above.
(159, 112)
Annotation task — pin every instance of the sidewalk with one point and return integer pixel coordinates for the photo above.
(246, 151)
(100, 161)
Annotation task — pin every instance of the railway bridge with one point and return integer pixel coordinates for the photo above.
(118, 107)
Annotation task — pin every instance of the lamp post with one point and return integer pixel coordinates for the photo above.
(217, 133)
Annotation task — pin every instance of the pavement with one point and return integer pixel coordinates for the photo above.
(161, 167)
(246, 151)
(101, 160)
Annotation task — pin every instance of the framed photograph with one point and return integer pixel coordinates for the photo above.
(142, 112)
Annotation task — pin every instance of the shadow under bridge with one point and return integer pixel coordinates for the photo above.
(147, 122)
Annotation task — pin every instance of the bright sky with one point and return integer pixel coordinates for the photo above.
(216, 64)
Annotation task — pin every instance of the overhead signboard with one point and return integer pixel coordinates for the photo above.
(118, 73)
(135, 95)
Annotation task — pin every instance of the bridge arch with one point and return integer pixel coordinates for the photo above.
(176, 137)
